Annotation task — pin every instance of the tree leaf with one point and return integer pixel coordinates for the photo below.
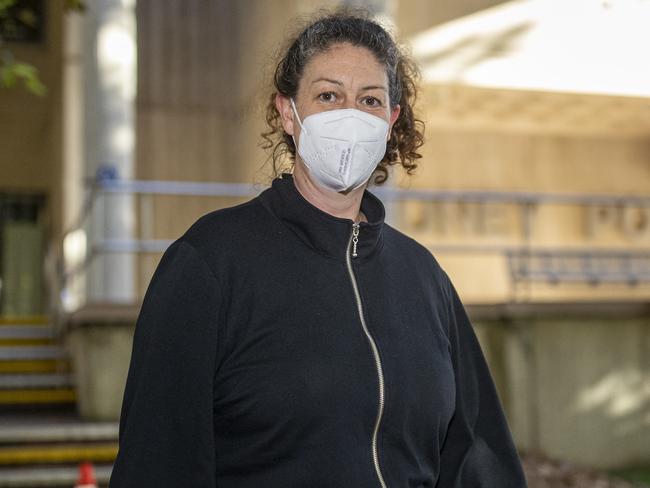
(13, 71)
(7, 76)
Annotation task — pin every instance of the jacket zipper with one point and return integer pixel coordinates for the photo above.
(354, 239)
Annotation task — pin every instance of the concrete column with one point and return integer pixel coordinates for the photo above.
(110, 90)
(73, 164)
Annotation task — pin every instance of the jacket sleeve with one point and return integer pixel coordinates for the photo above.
(478, 450)
(166, 422)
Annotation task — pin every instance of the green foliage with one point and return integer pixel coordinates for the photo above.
(4, 6)
(79, 5)
(13, 72)
(639, 475)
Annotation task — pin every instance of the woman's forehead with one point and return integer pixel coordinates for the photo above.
(347, 64)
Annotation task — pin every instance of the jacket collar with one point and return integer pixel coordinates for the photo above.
(320, 230)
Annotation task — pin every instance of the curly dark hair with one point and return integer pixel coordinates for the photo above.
(354, 27)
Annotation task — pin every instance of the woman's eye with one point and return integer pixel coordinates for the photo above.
(327, 97)
(372, 102)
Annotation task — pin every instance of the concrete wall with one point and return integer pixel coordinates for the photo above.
(101, 355)
(31, 135)
(100, 340)
(483, 139)
(575, 388)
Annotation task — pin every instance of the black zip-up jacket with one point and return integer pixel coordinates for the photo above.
(267, 355)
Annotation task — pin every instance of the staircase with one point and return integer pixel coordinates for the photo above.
(42, 440)
(34, 369)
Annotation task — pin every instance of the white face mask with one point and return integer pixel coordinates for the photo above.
(341, 148)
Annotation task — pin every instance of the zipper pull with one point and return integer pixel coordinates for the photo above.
(355, 238)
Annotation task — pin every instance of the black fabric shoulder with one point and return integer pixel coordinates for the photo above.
(478, 450)
(168, 399)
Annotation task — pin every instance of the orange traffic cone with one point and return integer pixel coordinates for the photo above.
(86, 476)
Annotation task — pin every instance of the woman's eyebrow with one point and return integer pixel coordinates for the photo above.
(336, 82)
(340, 83)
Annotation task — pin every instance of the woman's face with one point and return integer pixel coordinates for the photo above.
(344, 76)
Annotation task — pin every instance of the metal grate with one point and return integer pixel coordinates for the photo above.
(567, 266)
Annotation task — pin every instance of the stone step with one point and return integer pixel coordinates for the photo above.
(26, 381)
(26, 332)
(40, 366)
(51, 476)
(43, 396)
(56, 430)
(22, 353)
(27, 454)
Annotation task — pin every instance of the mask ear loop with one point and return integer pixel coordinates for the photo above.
(302, 127)
(293, 106)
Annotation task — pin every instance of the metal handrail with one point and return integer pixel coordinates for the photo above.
(218, 189)
(514, 254)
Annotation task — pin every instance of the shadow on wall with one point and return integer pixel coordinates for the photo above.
(622, 396)
(577, 390)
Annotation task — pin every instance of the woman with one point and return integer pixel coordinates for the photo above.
(297, 340)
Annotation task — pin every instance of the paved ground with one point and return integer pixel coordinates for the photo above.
(57, 427)
(544, 473)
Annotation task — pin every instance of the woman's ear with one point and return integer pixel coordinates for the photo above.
(283, 104)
